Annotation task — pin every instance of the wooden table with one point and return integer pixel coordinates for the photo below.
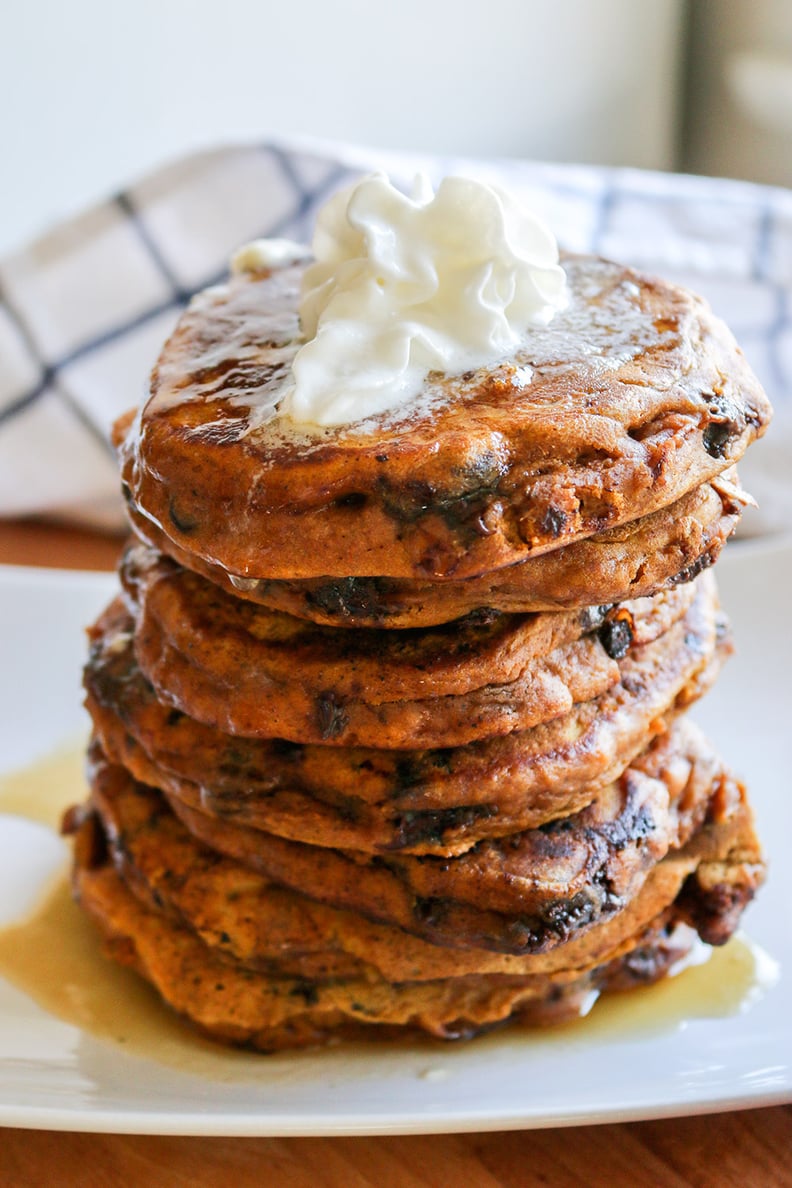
(750, 1149)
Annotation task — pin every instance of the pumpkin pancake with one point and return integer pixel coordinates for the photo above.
(224, 634)
(634, 560)
(236, 1004)
(631, 397)
(356, 799)
(522, 894)
(389, 726)
(255, 672)
(243, 917)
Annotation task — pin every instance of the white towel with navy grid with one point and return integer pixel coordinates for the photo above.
(85, 308)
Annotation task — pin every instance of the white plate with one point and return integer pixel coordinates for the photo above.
(54, 1075)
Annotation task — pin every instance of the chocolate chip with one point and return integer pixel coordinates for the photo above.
(716, 436)
(354, 499)
(351, 598)
(616, 635)
(554, 521)
(331, 716)
(307, 991)
(695, 568)
(428, 910)
(725, 421)
(433, 825)
(183, 523)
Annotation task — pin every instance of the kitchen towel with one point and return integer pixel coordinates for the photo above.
(85, 308)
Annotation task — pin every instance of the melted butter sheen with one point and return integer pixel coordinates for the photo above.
(403, 286)
(55, 956)
(250, 332)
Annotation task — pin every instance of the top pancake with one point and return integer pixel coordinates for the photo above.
(631, 397)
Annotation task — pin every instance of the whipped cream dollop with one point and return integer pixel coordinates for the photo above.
(404, 285)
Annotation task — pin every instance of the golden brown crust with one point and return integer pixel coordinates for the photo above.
(638, 395)
(528, 893)
(237, 1004)
(233, 639)
(260, 673)
(243, 917)
(634, 560)
(376, 801)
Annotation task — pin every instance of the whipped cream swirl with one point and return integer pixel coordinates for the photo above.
(404, 286)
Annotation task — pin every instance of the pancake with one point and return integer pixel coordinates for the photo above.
(525, 893)
(389, 717)
(634, 560)
(235, 1004)
(225, 635)
(631, 397)
(243, 917)
(240, 1007)
(260, 673)
(424, 802)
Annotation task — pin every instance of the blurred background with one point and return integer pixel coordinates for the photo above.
(92, 93)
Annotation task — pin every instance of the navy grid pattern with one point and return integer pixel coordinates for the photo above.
(306, 201)
(777, 376)
(660, 222)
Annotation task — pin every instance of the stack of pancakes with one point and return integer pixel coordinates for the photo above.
(388, 719)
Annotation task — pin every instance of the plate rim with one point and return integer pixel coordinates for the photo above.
(191, 1121)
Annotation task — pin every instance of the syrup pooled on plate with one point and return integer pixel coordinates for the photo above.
(54, 955)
